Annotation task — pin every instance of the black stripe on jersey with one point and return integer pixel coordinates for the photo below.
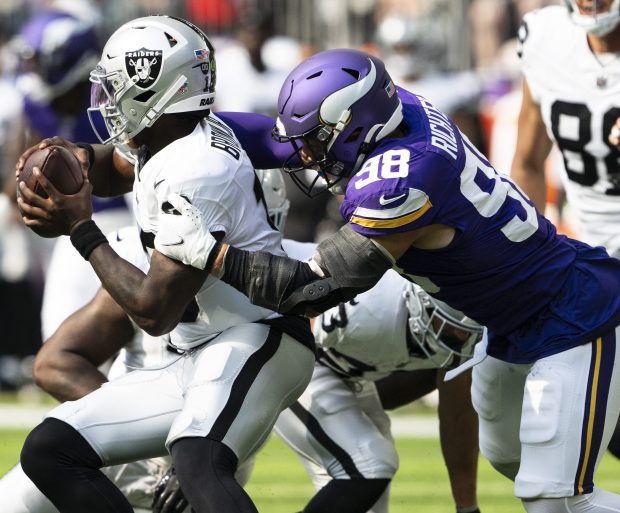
(296, 326)
(243, 382)
(147, 239)
(357, 367)
(326, 361)
(315, 429)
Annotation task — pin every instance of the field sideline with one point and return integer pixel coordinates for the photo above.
(280, 485)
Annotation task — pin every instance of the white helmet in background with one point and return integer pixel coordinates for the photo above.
(445, 335)
(598, 17)
(274, 190)
(151, 66)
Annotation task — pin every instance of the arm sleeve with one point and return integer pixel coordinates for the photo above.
(254, 134)
(343, 266)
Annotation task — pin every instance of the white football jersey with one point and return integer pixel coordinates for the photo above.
(144, 349)
(211, 170)
(367, 336)
(579, 97)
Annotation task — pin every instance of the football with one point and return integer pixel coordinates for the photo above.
(61, 167)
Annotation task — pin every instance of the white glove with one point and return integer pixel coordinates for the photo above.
(182, 234)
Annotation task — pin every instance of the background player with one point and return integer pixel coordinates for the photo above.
(338, 426)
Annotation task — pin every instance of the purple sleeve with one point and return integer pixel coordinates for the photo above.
(254, 134)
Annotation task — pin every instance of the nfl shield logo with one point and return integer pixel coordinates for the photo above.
(143, 66)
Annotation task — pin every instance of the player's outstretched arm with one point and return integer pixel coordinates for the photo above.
(67, 364)
(533, 147)
(458, 431)
(108, 172)
(343, 266)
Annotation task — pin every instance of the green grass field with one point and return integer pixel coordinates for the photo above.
(280, 485)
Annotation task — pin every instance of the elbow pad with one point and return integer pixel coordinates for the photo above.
(350, 263)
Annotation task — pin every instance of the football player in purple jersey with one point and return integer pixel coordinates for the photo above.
(421, 199)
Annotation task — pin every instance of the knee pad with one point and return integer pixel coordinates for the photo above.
(378, 459)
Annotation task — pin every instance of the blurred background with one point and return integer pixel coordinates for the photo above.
(460, 54)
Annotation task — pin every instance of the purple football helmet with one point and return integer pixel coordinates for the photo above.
(337, 104)
(56, 51)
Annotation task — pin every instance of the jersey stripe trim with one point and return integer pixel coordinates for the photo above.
(391, 223)
(315, 429)
(244, 382)
(599, 379)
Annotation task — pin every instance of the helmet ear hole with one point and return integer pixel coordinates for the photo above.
(354, 135)
(145, 96)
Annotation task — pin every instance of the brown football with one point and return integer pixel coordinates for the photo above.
(61, 167)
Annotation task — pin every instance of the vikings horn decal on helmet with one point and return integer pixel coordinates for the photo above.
(445, 335)
(151, 66)
(598, 17)
(276, 199)
(338, 103)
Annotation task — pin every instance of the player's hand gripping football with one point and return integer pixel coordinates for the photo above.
(80, 153)
(168, 496)
(182, 233)
(58, 211)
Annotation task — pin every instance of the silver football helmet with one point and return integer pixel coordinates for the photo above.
(444, 335)
(276, 199)
(151, 66)
(598, 17)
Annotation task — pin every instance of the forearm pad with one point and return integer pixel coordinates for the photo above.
(350, 262)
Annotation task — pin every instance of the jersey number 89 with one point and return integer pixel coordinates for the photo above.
(581, 165)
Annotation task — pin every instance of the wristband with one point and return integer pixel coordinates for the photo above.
(86, 237)
(91, 153)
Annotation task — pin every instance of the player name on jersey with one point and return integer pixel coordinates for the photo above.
(442, 134)
(222, 138)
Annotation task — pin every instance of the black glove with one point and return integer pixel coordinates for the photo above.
(168, 496)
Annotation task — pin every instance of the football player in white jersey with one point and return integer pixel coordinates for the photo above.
(339, 428)
(570, 58)
(571, 88)
(239, 365)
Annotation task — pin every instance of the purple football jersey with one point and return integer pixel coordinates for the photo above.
(506, 264)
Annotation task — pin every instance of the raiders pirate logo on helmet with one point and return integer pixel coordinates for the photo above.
(143, 66)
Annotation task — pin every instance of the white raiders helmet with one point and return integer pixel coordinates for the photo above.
(151, 66)
(431, 326)
(600, 16)
(274, 190)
